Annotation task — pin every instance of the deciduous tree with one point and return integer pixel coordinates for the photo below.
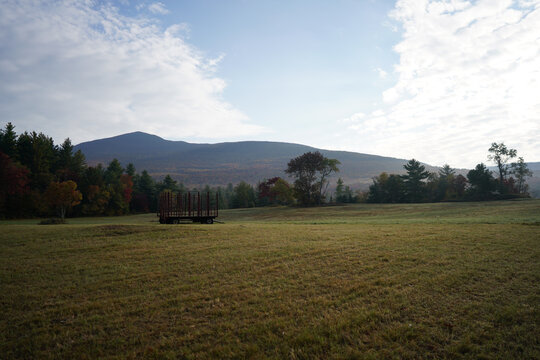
(97, 200)
(244, 195)
(13, 181)
(311, 171)
(282, 192)
(386, 189)
(500, 155)
(522, 172)
(275, 191)
(63, 196)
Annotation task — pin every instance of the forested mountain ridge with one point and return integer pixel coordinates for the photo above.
(251, 161)
(229, 162)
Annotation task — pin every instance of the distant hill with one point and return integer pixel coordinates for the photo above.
(232, 162)
(533, 182)
(223, 163)
(534, 166)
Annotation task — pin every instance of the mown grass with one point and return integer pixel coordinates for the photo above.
(497, 212)
(360, 281)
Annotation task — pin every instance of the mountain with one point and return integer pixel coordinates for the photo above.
(229, 162)
(232, 162)
(533, 182)
(534, 167)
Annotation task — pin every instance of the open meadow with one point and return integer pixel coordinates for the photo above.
(445, 280)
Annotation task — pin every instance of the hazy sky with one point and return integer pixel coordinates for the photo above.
(434, 80)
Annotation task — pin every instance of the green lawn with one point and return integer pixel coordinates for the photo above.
(449, 280)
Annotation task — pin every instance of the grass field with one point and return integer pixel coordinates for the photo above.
(449, 280)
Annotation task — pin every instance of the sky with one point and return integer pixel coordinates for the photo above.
(437, 81)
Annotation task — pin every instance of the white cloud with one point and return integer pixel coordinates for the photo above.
(158, 8)
(469, 75)
(73, 68)
(354, 118)
(382, 74)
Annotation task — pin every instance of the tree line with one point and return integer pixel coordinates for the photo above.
(39, 178)
(419, 185)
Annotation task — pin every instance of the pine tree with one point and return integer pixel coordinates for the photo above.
(414, 180)
(8, 141)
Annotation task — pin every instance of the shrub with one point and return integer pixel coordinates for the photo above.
(52, 221)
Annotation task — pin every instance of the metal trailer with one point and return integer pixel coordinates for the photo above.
(173, 208)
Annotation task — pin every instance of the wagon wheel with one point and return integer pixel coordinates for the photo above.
(176, 221)
(209, 221)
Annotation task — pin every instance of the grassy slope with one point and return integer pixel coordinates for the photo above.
(367, 281)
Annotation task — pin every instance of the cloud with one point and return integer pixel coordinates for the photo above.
(468, 75)
(354, 118)
(382, 74)
(158, 8)
(77, 69)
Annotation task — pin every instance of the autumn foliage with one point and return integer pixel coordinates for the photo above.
(63, 196)
(14, 180)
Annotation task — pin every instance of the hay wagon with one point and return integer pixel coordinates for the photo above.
(189, 206)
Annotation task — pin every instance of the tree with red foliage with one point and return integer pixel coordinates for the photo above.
(265, 190)
(127, 185)
(13, 180)
(275, 190)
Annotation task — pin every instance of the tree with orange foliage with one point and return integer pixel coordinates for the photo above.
(63, 196)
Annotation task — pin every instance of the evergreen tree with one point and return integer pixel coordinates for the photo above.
(229, 195)
(446, 171)
(8, 141)
(144, 197)
(118, 188)
(414, 180)
(168, 184)
(482, 183)
(69, 166)
(130, 170)
(442, 183)
(222, 199)
(340, 191)
(39, 154)
(244, 195)
(113, 172)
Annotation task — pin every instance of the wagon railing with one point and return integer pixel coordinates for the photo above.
(189, 205)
